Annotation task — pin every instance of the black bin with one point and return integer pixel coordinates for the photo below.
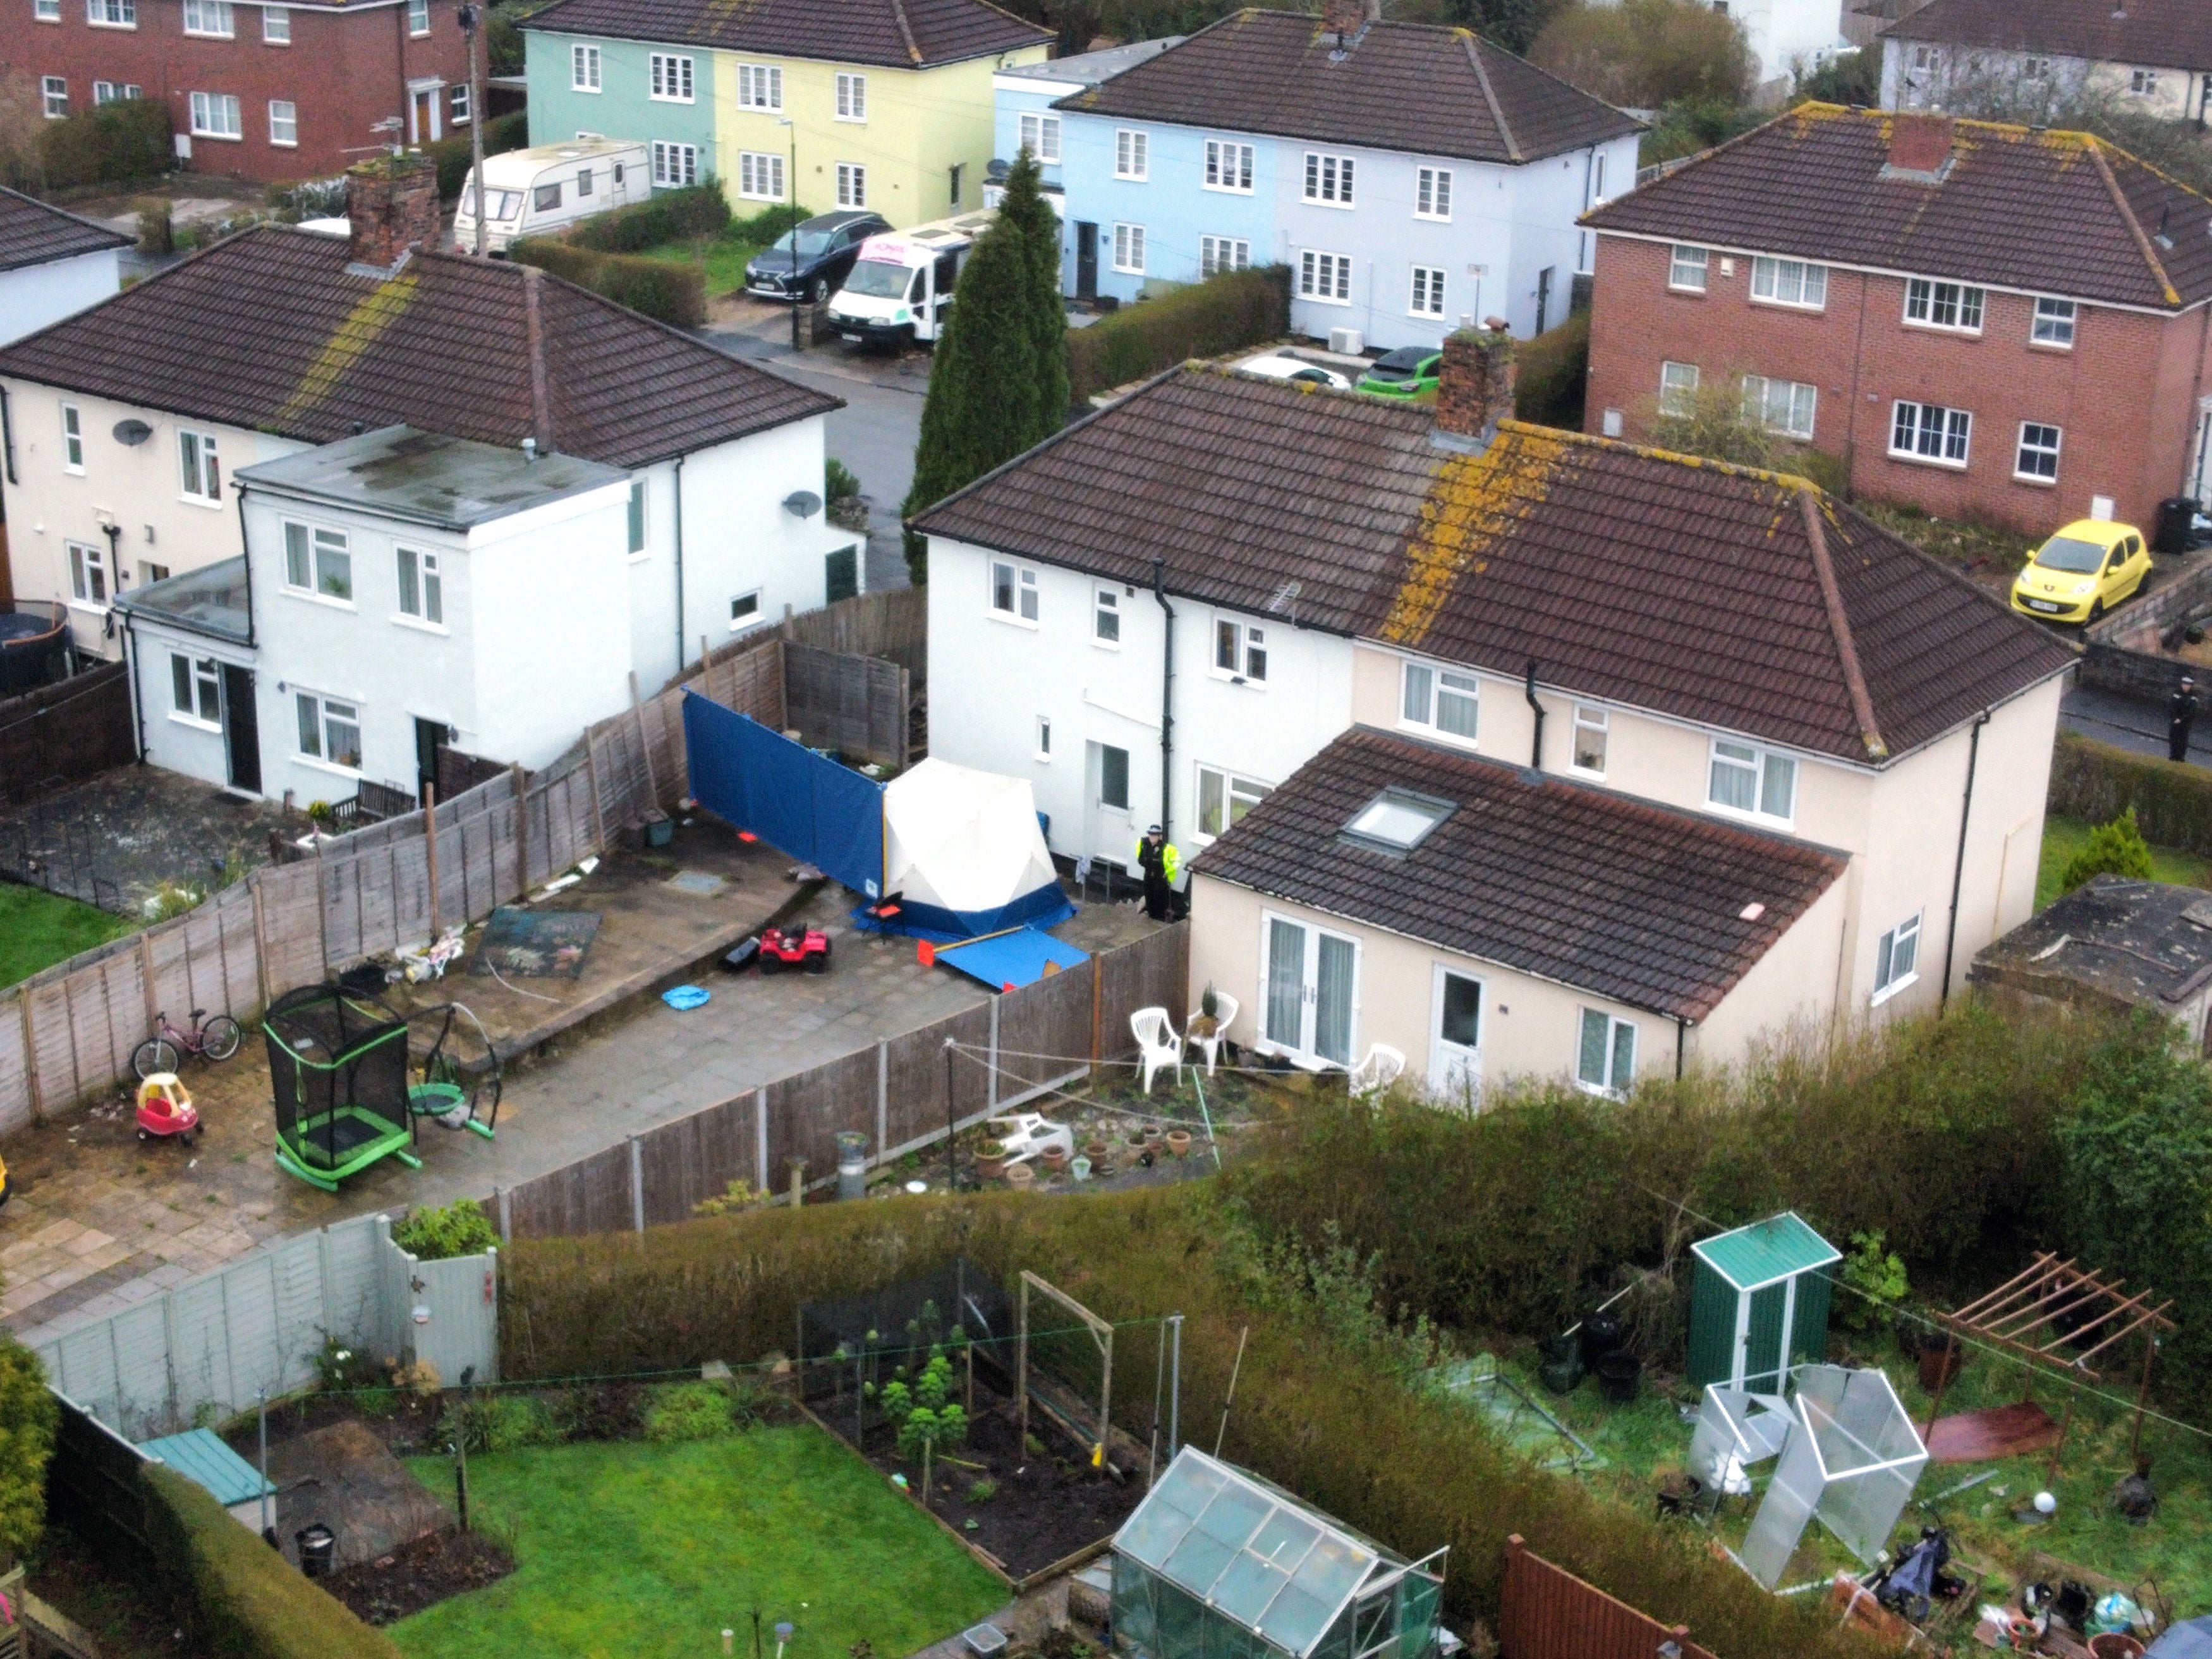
(319, 1550)
(2176, 514)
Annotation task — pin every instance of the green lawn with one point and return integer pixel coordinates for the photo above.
(38, 930)
(639, 1550)
(725, 260)
(2063, 837)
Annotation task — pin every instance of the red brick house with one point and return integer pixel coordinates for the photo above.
(267, 92)
(1976, 319)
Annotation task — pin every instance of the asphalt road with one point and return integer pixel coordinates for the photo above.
(2129, 723)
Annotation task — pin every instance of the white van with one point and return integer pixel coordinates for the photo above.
(531, 192)
(901, 287)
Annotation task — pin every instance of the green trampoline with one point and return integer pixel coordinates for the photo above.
(339, 1066)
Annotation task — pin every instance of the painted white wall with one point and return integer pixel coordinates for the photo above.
(175, 738)
(1783, 34)
(31, 296)
(1926, 74)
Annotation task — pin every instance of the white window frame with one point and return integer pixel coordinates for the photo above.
(1133, 154)
(1764, 765)
(674, 165)
(584, 67)
(72, 439)
(1427, 297)
(1956, 432)
(204, 106)
(1430, 694)
(1234, 795)
(1220, 253)
(760, 86)
(112, 14)
(852, 96)
(2143, 83)
(329, 710)
(1229, 165)
(669, 77)
(1678, 387)
(305, 547)
(2025, 452)
(1129, 249)
(1432, 191)
(1328, 181)
(745, 611)
(46, 11)
(1944, 308)
(1040, 136)
(1778, 276)
(276, 26)
(91, 587)
(1588, 717)
(196, 691)
(1609, 1082)
(1105, 607)
(53, 96)
(418, 18)
(210, 20)
(1017, 584)
(1889, 977)
(459, 111)
(199, 466)
(1042, 755)
(2055, 323)
(636, 531)
(419, 570)
(851, 185)
(1799, 405)
(760, 175)
(1688, 268)
(105, 92)
(1324, 278)
(1128, 778)
(284, 130)
(1240, 651)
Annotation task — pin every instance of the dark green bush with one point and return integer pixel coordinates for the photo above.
(2172, 803)
(454, 156)
(659, 289)
(2117, 849)
(766, 225)
(460, 1228)
(669, 215)
(1553, 370)
(112, 144)
(1233, 309)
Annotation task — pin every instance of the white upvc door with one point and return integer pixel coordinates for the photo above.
(1455, 1038)
(1311, 991)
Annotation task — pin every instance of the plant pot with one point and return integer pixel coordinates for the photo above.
(1601, 1335)
(1053, 1158)
(1095, 1150)
(1178, 1143)
(1020, 1177)
(2115, 1644)
(1136, 1143)
(1079, 1167)
(1619, 1375)
(1562, 1368)
(990, 1168)
(1939, 1359)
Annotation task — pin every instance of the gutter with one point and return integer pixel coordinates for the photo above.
(1167, 694)
(1958, 868)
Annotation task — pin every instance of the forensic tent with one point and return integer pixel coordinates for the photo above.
(963, 851)
(1218, 1563)
(1759, 1303)
(1852, 1459)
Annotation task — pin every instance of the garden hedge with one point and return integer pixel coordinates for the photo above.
(669, 215)
(234, 1596)
(1553, 369)
(111, 144)
(659, 288)
(1225, 312)
(2096, 781)
(454, 156)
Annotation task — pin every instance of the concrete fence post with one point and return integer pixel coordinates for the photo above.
(636, 1184)
(760, 1140)
(883, 1097)
(505, 1198)
(991, 1075)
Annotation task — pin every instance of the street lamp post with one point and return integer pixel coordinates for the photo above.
(471, 17)
(791, 185)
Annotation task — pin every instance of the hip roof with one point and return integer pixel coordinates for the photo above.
(2159, 33)
(34, 233)
(893, 34)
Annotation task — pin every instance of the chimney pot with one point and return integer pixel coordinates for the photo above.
(1343, 18)
(1919, 143)
(392, 207)
(1475, 387)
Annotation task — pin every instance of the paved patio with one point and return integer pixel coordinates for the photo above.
(115, 838)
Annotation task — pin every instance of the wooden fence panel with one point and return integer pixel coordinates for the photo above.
(856, 705)
(60, 733)
(805, 1112)
(892, 622)
(915, 1110)
(1547, 1612)
(662, 718)
(559, 825)
(697, 1157)
(1044, 1028)
(1153, 971)
(618, 766)
(589, 1196)
(291, 925)
(14, 1068)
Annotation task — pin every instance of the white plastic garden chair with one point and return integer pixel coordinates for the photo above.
(1024, 1134)
(1382, 1067)
(1157, 1043)
(1224, 1016)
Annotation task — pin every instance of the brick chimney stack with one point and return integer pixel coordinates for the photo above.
(1919, 143)
(391, 203)
(1474, 390)
(1344, 18)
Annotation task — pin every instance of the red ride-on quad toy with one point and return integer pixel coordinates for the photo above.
(788, 949)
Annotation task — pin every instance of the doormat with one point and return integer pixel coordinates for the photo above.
(536, 944)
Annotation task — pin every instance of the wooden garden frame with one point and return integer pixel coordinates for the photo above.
(2019, 1310)
(1102, 1333)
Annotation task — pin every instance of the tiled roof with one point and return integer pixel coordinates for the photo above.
(895, 34)
(1648, 580)
(32, 234)
(1811, 185)
(1405, 86)
(2156, 34)
(1635, 902)
(271, 330)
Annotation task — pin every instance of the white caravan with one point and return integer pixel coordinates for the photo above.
(901, 287)
(533, 192)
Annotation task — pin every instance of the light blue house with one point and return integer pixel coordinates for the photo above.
(1413, 178)
(1023, 98)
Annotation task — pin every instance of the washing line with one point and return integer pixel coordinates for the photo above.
(1131, 1065)
(1042, 1090)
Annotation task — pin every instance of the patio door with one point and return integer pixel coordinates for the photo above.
(1312, 978)
(1455, 1039)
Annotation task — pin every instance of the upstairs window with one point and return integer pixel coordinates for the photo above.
(72, 439)
(422, 589)
(2054, 323)
(277, 25)
(317, 561)
(1432, 193)
(1013, 591)
(202, 468)
(671, 73)
(760, 86)
(1329, 179)
(1040, 136)
(114, 14)
(1228, 165)
(1223, 798)
(1790, 283)
(2142, 82)
(1747, 779)
(418, 16)
(1106, 617)
(636, 540)
(1950, 306)
(46, 11)
(1687, 269)
(208, 17)
(1897, 958)
(583, 68)
(1590, 735)
(1443, 699)
(852, 97)
(1132, 155)
(1240, 650)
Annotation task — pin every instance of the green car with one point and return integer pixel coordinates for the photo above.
(1405, 373)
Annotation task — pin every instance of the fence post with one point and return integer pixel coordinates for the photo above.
(991, 1073)
(322, 911)
(521, 838)
(598, 812)
(883, 1097)
(429, 855)
(505, 1199)
(146, 978)
(644, 743)
(760, 1138)
(260, 938)
(31, 1061)
(636, 1185)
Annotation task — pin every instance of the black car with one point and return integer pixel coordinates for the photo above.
(825, 246)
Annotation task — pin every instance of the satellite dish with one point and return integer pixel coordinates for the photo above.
(132, 433)
(802, 503)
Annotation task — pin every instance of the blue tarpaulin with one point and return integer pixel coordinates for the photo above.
(1017, 956)
(803, 804)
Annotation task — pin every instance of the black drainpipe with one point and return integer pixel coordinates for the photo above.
(679, 551)
(1536, 749)
(1681, 1025)
(1167, 694)
(137, 708)
(245, 553)
(1958, 869)
(8, 437)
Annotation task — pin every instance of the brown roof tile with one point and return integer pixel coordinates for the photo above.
(1399, 86)
(1650, 580)
(271, 330)
(895, 34)
(32, 234)
(1810, 184)
(2159, 33)
(1634, 902)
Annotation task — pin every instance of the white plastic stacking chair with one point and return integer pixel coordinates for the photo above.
(1224, 1016)
(1157, 1042)
(1382, 1067)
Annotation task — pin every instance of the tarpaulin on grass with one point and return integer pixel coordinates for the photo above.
(803, 804)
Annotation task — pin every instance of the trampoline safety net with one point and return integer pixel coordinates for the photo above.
(338, 1070)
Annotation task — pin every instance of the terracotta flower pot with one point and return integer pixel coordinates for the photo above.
(1095, 1150)
(1178, 1143)
(990, 1167)
(1053, 1159)
(1020, 1177)
(1155, 1143)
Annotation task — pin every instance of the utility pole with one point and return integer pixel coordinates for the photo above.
(472, 17)
(799, 297)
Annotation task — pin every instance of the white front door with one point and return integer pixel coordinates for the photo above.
(1312, 988)
(1455, 1039)
(1110, 826)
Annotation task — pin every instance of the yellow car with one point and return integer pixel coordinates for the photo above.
(2083, 571)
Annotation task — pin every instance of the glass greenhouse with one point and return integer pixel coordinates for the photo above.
(1218, 1563)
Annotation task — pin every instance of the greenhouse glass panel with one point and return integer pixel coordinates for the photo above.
(1297, 1619)
(1167, 1513)
(1422, 1605)
(1234, 1515)
(1197, 1562)
(1246, 1587)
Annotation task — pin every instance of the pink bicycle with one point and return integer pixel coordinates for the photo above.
(215, 1040)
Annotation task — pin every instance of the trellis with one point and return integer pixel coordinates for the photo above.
(1102, 1336)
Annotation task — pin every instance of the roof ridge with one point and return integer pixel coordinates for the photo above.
(1656, 452)
(1839, 624)
(64, 213)
(2135, 225)
(1490, 97)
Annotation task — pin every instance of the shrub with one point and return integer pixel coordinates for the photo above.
(1715, 426)
(503, 1422)
(156, 229)
(2116, 848)
(669, 293)
(1877, 1276)
(669, 215)
(460, 1228)
(454, 157)
(1644, 53)
(1850, 77)
(696, 1411)
(2171, 804)
(28, 1418)
(1689, 125)
(984, 1491)
(112, 144)
(1224, 312)
(838, 482)
(1554, 368)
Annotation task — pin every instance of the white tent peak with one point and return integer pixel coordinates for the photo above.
(963, 840)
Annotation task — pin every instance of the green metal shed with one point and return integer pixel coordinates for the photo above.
(1759, 1304)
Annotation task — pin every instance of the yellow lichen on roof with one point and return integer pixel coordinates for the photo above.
(1470, 504)
(375, 313)
(1788, 481)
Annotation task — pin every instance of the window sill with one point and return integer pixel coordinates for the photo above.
(1228, 190)
(2051, 346)
(1106, 644)
(283, 143)
(1224, 677)
(317, 764)
(1935, 461)
(1437, 734)
(1599, 1090)
(643, 555)
(1426, 316)
(850, 120)
(996, 615)
(663, 98)
(222, 137)
(1687, 293)
(126, 29)
(1891, 989)
(403, 620)
(1124, 270)
(190, 34)
(1340, 207)
(1576, 771)
(2038, 482)
(1939, 328)
(1739, 816)
(194, 722)
(89, 607)
(275, 43)
(594, 91)
(1133, 178)
(1789, 305)
(323, 599)
(1324, 299)
(1433, 218)
(73, 472)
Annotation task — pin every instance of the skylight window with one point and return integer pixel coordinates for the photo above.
(1399, 819)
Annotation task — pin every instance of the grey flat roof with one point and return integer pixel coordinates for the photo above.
(210, 600)
(2141, 942)
(428, 477)
(1089, 69)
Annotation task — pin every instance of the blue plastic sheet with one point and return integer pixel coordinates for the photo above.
(1017, 956)
(1048, 907)
(684, 998)
(803, 804)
